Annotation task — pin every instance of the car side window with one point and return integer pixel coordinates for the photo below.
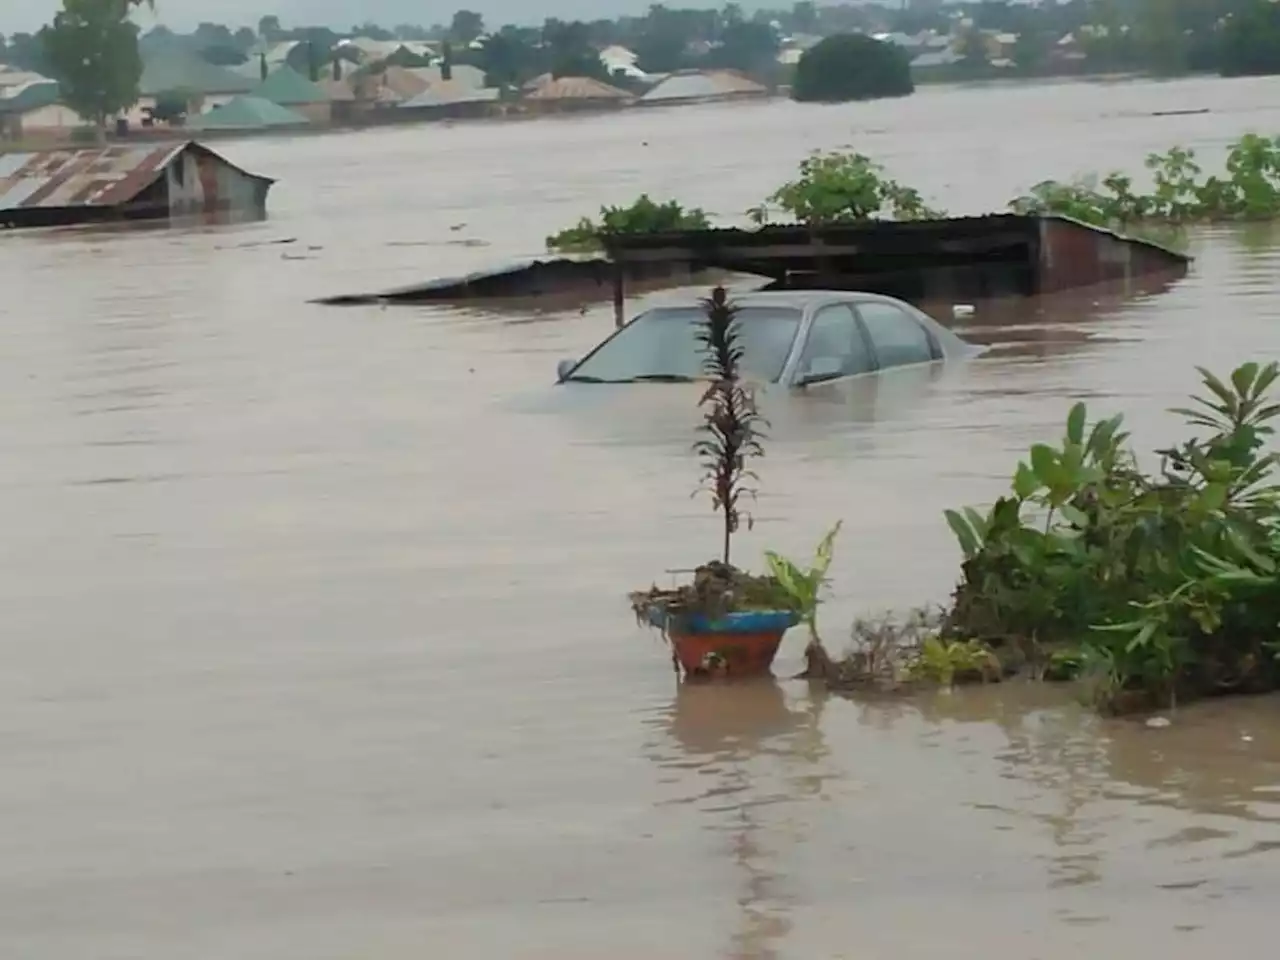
(836, 346)
(899, 338)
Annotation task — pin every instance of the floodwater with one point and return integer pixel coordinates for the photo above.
(316, 645)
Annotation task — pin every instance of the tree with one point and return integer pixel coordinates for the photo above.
(26, 52)
(570, 52)
(1251, 41)
(172, 105)
(510, 57)
(746, 46)
(1031, 51)
(973, 50)
(851, 66)
(269, 27)
(223, 56)
(466, 27)
(92, 49)
(804, 17)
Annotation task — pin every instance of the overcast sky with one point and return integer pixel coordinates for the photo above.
(29, 15)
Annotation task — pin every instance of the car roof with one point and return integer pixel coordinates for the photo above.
(796, 299)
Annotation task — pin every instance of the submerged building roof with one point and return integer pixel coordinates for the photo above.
(702, 85)
(247, 113)
(577, 88)
(178, 70)
(460, 73)
(289, 88)
(95, 177)
(91, 177)
(31, 97)
(446, 93)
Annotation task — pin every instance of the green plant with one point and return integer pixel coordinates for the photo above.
(642, 216)
(1153, 586)
(844, 188)
(730, 436)
(944, 661)
(732, 427)
(1247, 189)
(803, 587)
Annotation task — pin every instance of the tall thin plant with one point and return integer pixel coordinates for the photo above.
(732, 428)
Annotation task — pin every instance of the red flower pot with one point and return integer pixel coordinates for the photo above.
(739, 644)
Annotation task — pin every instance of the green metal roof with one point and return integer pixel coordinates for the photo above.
(177, 70)
(289, 88)
(247, 113)
(31, 97)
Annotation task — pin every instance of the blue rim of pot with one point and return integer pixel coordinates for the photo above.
(743, 621)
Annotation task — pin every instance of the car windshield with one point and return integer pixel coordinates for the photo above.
(663, 344)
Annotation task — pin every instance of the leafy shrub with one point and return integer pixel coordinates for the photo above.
(1248, 189)
(1153, 586)
(844, 188)
(643, 216)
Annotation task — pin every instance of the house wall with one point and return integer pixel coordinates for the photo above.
(50, 119)
(199, 183)
(1075, 255)
(315, 112)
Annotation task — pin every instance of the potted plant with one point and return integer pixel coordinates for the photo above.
(726, 621)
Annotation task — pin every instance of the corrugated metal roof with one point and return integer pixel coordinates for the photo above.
(96, 177)
(449, 92)
(289, 88)
(179, 70)
(462, 73)
(247, 113)
(699, 85)
(33, 96)
(577, 88)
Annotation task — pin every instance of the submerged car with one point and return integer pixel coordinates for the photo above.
(789, 337)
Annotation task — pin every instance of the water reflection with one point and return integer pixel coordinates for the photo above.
(762, 756)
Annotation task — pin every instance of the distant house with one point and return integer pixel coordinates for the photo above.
(35, 110)
(620, 60)
(63, 187)
(702, 86)
(176, 71)
(575, 93)
(249, 113)
(275, 55)
(460, 73)
(13, 80)
(389, 87)
(288, 88)
(936, 60)
(368, 50)
(452, 98)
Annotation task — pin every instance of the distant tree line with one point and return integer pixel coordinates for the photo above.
(95, 51)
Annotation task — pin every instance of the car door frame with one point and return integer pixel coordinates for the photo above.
(806, 331)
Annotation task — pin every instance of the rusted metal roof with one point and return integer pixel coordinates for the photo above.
(93, 177)
(577, 88)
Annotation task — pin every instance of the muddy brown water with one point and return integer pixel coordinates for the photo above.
(315, 642)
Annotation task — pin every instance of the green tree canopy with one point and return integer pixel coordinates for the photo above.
(92, 50)
(745, 46)
(851, 67)
(467, 26)
(1250, 43)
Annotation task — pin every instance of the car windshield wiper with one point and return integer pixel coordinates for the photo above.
(641, 378)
